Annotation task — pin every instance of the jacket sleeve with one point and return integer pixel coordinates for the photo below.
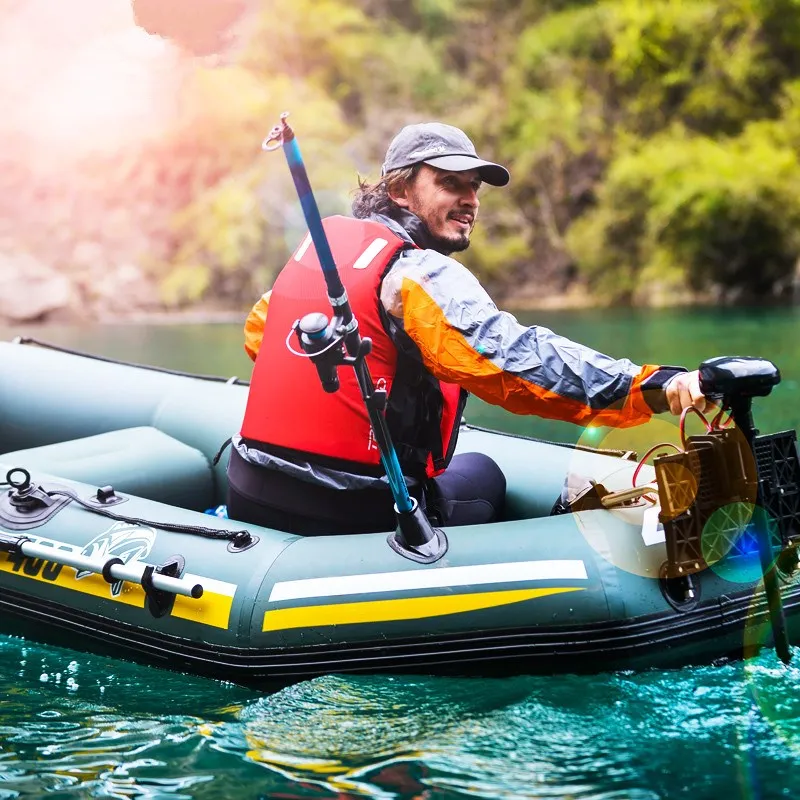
(463, 338)
(254, 325)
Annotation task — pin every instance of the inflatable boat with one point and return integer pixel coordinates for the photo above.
(107, 469)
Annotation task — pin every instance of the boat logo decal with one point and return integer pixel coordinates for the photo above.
(122, 540)
(128, 543)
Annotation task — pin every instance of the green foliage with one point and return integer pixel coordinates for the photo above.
(238, 231)
(436, 15)
(708, 65)
(652, 143)
(500, 239)
(339, 49)
(690, 110)
(689, 211)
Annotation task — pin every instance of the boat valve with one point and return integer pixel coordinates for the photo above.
(23, 495)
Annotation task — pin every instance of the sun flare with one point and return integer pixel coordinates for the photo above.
(87, 79)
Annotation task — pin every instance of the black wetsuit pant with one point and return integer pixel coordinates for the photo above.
(471, 491)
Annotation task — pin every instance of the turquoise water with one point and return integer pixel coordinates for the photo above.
(74, 726)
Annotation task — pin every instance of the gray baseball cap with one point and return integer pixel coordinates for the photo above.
(441, 146)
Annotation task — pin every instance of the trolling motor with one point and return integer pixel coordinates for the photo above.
(331, 343)
(732, 491)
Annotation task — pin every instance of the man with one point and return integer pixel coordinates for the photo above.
(304, 461)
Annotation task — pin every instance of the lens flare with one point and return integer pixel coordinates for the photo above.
(730, 541)
(87, 79)
(630, 537)
(774, 689)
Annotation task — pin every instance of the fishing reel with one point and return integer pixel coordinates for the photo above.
(731, 491)
(322, 341)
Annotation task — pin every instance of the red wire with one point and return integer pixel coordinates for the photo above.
(716, 423)
(709, 427)
(647, 455)
(683, 423)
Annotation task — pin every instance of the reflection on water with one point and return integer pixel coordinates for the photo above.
(85, 726)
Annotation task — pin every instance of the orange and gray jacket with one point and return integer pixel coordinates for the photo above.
(438, 314)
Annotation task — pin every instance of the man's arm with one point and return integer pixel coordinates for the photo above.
(463, 338)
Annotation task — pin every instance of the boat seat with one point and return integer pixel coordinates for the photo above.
(141, 461)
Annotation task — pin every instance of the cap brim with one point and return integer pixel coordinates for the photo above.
(490, 173)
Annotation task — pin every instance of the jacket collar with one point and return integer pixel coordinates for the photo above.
(412, 229)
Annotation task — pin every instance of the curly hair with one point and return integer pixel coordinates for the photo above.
(373, 198)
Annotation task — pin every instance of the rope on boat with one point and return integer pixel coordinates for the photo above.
(240, 539)
(26, 494)
(29, 340)
(627, 455)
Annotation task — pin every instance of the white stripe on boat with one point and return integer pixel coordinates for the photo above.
(365, 259)
(382, 582)
(211, 584)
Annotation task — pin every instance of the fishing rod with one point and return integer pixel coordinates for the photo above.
(331, 343)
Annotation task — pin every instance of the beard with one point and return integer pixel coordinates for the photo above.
(451, 244)
(425, 238)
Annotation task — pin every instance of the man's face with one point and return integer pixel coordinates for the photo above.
(447, 202)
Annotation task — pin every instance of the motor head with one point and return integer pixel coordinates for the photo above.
(735, 381)
(733, 377)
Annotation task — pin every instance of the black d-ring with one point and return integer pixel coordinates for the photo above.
(24, 483)
(682, 592)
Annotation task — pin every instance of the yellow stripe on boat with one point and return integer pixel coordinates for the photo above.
(400, 609)
(213, 608)
(132, 594)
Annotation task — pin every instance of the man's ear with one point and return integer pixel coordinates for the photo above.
(399, 196)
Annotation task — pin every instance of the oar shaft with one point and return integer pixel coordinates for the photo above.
(108, 568)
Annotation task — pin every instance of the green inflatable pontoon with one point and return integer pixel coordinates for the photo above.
(104, 547)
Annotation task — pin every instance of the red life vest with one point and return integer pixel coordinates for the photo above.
(287, 409)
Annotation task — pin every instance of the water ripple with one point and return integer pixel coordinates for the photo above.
(121, 731)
